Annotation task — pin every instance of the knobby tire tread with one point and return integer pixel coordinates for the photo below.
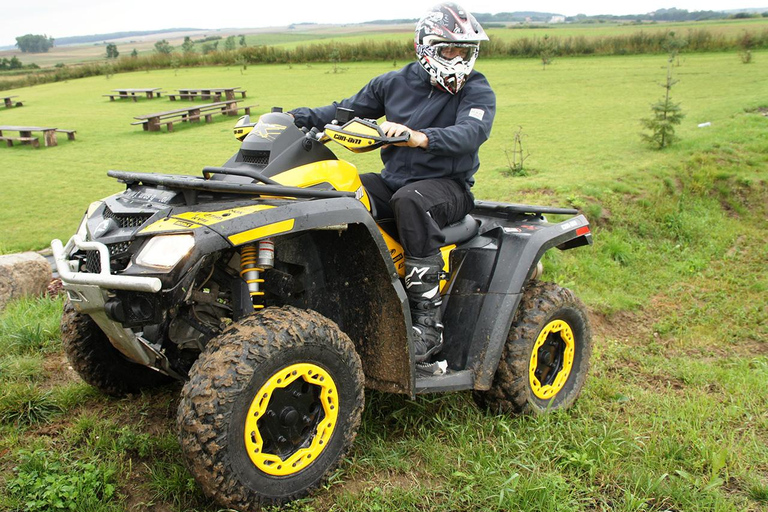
(216, 380)
(97, 362)
(510, 392)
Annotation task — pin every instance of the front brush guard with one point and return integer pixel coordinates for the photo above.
(90, 292)
(104, 279)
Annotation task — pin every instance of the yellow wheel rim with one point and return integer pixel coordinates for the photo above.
(551, 359)
(291, 419)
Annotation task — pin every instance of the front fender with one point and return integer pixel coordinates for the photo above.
(357, 284)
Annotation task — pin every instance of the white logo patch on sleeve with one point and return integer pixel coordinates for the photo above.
(477, 113)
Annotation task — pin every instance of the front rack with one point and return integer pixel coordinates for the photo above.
(193, 184)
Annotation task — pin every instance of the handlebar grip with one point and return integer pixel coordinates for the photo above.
(405, 137)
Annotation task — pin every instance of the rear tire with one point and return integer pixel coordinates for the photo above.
(271, 407)
(546, 357)
(98, 363)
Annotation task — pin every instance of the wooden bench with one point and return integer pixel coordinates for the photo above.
(153, 122)
(8, 101)
(35, 141)
(124, 96)
(214, 96)
(70, 133)
(168, 124)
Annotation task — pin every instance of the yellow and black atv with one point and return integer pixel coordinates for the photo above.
(270, 288)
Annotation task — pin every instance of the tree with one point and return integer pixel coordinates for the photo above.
(665, 115)
(547, 52)
(134, 53)
(242, 41)
(188, 46)
(32, 43)
(163, 47)
(112, 52)
(13, 63)
(673, 45)
(516, 156)
(229, 44)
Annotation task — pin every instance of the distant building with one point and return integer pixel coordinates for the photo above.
(557, 19)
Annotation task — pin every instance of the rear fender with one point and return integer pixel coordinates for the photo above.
(518, 247)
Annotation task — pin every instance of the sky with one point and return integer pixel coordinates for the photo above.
(64, 18)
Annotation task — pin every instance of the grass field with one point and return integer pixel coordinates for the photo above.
(673, 416)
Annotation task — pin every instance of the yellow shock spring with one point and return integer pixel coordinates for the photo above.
(250, 272)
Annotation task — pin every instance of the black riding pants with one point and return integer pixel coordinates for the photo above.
(420, 209)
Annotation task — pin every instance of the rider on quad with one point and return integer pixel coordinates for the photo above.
(426, 182)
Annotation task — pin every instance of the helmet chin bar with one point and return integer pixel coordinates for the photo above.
(449, 75)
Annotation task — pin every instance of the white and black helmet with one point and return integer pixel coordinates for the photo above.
(447, 42)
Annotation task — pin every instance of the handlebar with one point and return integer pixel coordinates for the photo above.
(357, 135)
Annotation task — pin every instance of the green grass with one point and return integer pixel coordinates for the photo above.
(580, 116)
(673, 413)
(45, 481)
(30, 326)
(590, 30)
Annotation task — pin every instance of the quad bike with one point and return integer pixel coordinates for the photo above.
(270, 288)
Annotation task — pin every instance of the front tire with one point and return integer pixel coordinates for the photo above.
(271, 407)
(98, 362)
(546, 357)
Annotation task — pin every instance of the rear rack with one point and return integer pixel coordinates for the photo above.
(192, 184)
(507, 210)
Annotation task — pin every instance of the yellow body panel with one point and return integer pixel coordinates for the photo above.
(193, 220)
(242, 131)
(446, 254)
(398, 256)
(169, 225)
(262, 232)
(340, 174)
(396, 252)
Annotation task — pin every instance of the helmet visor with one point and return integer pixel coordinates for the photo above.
(449, 51)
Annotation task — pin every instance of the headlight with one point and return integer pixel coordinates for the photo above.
(165, 251)
(82, 230)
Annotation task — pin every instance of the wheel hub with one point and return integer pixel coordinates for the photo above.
(551, 359)
(291, 419)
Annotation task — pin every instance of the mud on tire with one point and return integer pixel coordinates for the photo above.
(98, 363)
(514, 389)
(219, 434)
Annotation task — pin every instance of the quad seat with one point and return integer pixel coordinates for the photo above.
(455, 233)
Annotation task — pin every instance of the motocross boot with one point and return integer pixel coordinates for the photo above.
(422, 284)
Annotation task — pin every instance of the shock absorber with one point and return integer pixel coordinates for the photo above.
(255, 259)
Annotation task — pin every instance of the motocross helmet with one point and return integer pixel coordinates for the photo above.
(447, 43)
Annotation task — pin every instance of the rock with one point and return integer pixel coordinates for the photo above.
(21, 275)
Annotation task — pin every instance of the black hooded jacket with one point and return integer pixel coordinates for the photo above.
(456, 125)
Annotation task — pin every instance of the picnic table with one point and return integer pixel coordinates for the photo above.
(152, 122)
(209, 93)
(26, 137)
(153, 92)
(8, 101)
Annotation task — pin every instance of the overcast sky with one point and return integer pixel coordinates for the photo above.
(63, 18)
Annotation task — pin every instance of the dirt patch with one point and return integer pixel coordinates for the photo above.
(58, 371)
(359, 483)
(634, 327)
